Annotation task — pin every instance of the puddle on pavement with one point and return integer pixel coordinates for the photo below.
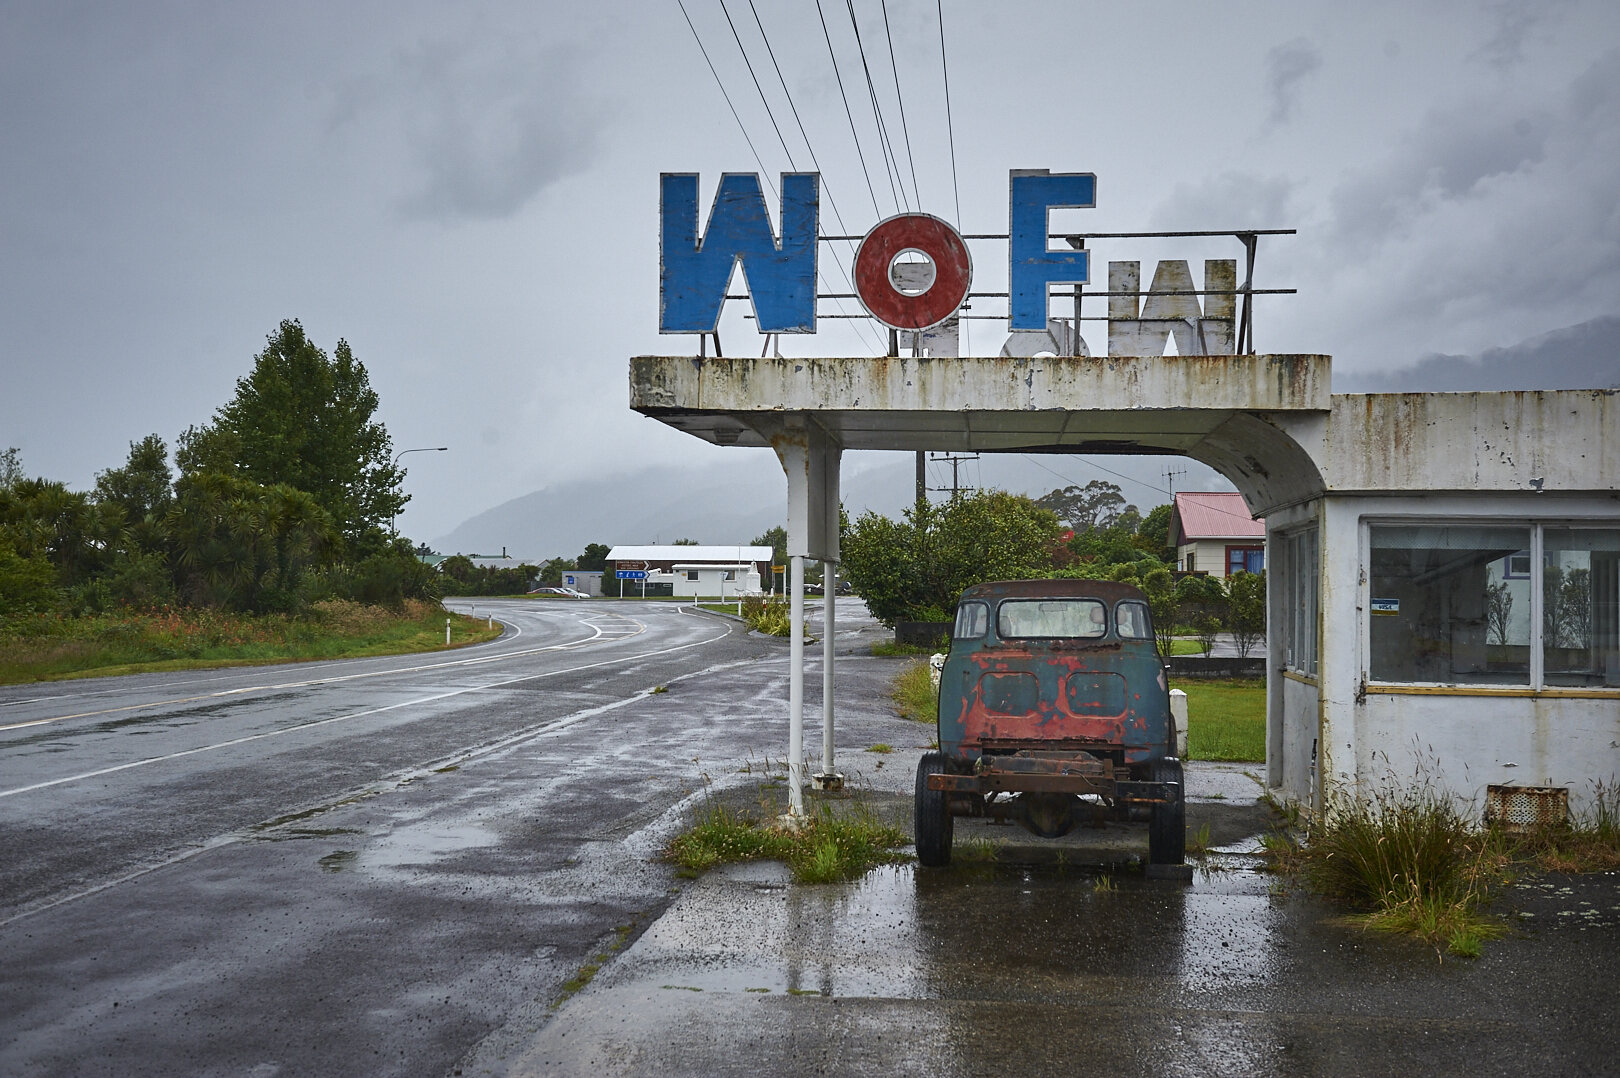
(911, 932)
(425, 844)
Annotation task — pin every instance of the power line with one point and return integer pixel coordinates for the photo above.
(833, 56)
(950, 128)
(916, 192)
(877, 115)
(769, 112)
(861, 327)
(763, 171)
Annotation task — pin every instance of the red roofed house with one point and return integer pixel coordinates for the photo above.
(1213, 533)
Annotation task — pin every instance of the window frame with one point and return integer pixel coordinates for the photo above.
(1537, 682)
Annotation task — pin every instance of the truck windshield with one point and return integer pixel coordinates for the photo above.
(1052, 618)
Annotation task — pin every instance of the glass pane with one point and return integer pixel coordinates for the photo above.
(1132, 619)
(1444, 607)
(1061, 618)
(972, 619)
(1580, 606)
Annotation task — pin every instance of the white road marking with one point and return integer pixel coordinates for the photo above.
(597, 633)
(353, 715)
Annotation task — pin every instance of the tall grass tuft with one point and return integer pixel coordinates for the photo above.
(828, 847)
(914, 694)
(1411, 862)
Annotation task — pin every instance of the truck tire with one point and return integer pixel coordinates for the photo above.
(933, 824)
(1167, 827)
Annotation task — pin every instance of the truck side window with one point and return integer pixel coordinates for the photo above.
(972, 619)
(1132, 620)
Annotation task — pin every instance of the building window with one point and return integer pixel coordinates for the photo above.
(1300, 575)
(691, 574)
(1192, 562)
(1460, 605)
(731, 574)
(1245, 559)
(1440, 609)
(1580, 606)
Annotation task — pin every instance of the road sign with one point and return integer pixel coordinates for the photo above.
(632, 574)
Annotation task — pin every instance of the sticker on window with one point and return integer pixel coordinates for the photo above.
(1386, 606)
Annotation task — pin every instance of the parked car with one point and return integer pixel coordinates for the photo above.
(1053, 709)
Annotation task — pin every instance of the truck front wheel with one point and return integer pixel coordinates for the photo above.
(933, 824)
(1167, 827)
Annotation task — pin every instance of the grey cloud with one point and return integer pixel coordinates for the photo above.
(488, 128)
(1287, 65)
(1448, 156)
(1482, 225)
(1512, 23)
(1230, 199)
(1575, 357)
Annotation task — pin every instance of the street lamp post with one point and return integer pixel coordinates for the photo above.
(426, 449)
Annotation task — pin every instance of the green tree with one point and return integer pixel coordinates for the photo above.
(241, 545)
(306, 419)
(1153, 534)
(1098, 504)
(143, 489)
(11, 469)
(1246, 609)
(27, 583)
(594, 558)
(551, 571)
(1202, 606)
(915, 568)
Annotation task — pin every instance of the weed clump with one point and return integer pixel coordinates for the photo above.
(827, 848)
(1410, 862)
(915, 696)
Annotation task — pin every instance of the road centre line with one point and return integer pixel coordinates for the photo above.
(545, 729)
(597, 633)
(353, 715)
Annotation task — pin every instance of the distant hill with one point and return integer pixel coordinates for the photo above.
(1582, 356)
(738, 499)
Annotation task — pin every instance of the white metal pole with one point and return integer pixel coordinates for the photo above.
(829, 582)
(446, 632)
(796, 689)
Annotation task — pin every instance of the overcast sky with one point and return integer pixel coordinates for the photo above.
(469, 193)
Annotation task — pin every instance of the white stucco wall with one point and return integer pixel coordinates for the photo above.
(1465, 736)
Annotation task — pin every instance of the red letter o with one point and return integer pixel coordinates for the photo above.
(942, 244)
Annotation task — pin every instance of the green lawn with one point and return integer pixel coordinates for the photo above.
(1226, 720)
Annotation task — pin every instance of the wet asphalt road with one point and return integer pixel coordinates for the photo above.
(396, 867)
(365, 867)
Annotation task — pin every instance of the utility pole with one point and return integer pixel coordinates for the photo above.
(956, 463)
(922, 476)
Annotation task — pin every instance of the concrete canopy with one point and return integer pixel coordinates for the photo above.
(1231, 412)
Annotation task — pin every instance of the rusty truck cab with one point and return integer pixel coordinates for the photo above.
(1053, 707)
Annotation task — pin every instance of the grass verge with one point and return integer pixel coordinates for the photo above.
(829, 847)
(914, 694)
(1226, 719)
(50, 648)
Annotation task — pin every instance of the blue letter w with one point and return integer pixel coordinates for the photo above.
(694, 274)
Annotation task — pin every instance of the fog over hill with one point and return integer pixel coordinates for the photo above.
(1583, 356)
(743, 492)
(735, 499)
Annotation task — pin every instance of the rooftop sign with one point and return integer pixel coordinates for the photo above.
(781, 271)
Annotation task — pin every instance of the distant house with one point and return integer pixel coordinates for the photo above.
(692, 571)
(588, 581)
(1213, 533)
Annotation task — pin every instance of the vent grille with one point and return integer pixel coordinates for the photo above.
(1526, 808)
